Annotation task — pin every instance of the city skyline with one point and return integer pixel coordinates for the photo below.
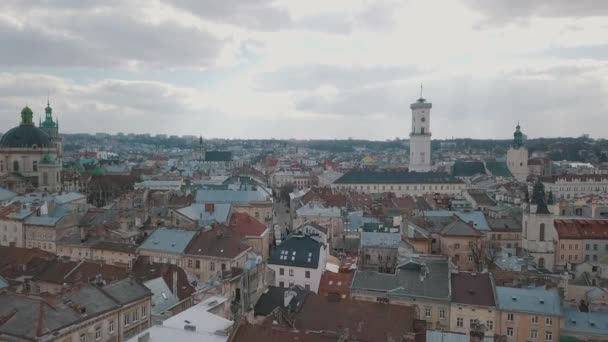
(285, 69)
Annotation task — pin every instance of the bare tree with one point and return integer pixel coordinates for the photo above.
(484, 252)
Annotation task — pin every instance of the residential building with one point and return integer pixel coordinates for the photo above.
(422, 281)
(199, 215)
(580, 240)
(215, 252)
(462, 243)
(379, 251)
(473, 303)
(299, 260)
(299, 179)
(166, 245)
(529, 314)
(253, 233)
(113, 312)
(567, 186)
(330, 218)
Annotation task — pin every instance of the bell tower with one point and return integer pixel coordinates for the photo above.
(420, 136)
(517, 156)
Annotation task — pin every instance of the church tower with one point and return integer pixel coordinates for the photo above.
(539, 235)
(420, 136)
(517, 156)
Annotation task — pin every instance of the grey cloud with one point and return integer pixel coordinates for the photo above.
(375, 16)
(307, 77)
(482, 107)
(499, 12)
(252, 14)
(108, 38)
(595, 52)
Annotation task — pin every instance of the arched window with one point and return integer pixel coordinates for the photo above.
(541, 263)
(16, 166)
(541, 232)
(35, 166)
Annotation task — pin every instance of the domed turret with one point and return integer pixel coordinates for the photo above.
(26, 135)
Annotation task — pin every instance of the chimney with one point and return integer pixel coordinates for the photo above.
(209, 208)
(190, 327)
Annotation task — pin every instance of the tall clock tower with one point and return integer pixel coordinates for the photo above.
(420, 136)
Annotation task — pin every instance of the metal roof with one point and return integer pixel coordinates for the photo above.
(381, 240)
(168, 240)
(531, 300)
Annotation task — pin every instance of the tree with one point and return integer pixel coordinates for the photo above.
(484, 253)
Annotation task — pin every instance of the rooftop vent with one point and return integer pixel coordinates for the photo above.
(190, 327)
(542, 301)
(514, 298)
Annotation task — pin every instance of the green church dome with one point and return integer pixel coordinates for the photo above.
(26, 135)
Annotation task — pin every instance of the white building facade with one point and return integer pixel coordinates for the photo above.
(420, 136)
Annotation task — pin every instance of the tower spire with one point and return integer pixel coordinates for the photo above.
(421, 90)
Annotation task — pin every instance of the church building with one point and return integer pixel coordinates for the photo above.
(517, 156)
(30, 156)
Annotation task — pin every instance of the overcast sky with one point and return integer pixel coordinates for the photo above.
(308, 68)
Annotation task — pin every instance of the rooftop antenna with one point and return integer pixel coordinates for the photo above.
(420, 90)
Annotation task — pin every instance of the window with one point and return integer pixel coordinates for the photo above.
(134, 315)
(595, 247)
(470, 258)
(490, 325)
(427, 311)
(441, 313)
(534, 319)
(541, 234)
(111, 326)
(97, 333)
(456, 246)
(190, 263)
(212, 266)
(595, 257)
(143, 312)
(83, 338)
(459, 322)
(548, 336)
(291, 272)
(16, 169)
(281, 284)
(533, 334)
(307, 274)
(126, 320)
(586, 257)
(35, 166)
(587, 247)
(471, 323)
(281, 271)
(509, 331)
(307, 287)
(510, 317)
(549, 321)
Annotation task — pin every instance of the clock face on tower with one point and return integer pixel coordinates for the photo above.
(422, 119)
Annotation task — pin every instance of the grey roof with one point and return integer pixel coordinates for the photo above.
(427, 277)
(231, 196)
(316, 210)
(577, 322)
(127, 290)
(52, 218)
(3, 283)
(477, 217)
(6, 195)
(505, 224)
(197, 212)
(313, 225)
(69, 197)
(381, 240)
(162, 297)
(168, 240)
(531, 300)
(298, 251)
(374, 177)
(29, 315)
(459, 228)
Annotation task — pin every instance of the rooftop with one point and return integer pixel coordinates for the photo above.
(298, 251)
(168, 240)
(219, 241)
(381, 240)
(373, 177)
(581, 229)
(473, 289)
(426, 277)
(531, 300)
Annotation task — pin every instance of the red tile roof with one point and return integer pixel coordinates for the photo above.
(219, 241)
(247, 225)
(473, 289)
(335, 283)
(582, 229)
